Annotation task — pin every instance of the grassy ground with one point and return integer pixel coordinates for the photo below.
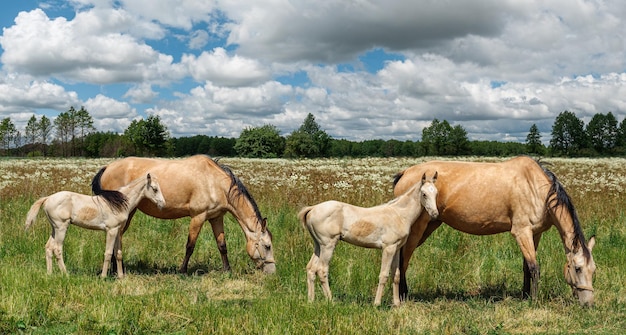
(458, 283)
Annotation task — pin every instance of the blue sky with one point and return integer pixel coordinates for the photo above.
(364, 69)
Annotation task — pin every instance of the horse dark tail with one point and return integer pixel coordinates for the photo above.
(116, 200)
(558, 198)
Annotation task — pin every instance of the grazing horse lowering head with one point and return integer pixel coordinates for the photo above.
(579, 271)
(258, 236)
(260, 249)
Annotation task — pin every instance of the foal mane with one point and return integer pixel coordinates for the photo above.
(558, 197)
(115, 199)
(238, 189)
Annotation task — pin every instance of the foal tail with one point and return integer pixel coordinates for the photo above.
(302, 216)
(32, 213)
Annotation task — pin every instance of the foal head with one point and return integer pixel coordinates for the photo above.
(428, 195)
(579, 271)
(153, 191)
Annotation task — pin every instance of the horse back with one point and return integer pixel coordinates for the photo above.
(188, 185)
(484, 198)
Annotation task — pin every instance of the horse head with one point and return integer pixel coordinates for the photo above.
(153, 191)
(260, 249)
(579, 271)
(428, 195)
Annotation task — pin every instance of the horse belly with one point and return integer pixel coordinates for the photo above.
(483, 223)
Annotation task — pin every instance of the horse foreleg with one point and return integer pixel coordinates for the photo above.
(108, 250)
(528, 273)
(417, 236)
(217, 225)
(118, 265)
(526, 243)
(195, 226)
(117, 254)
(395, 270)
(385, 266)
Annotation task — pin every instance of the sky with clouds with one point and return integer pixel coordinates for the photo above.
(365, 69)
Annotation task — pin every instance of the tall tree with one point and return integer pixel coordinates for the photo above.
(602, 132)
(533, 140)
(64, 131)
(44, 130)
(459, 143)
(7, 134)
(308, 141)
(436, 137)
(148, 137)
(84, 127)
(260, 142)
(568, 135)
(31, 130)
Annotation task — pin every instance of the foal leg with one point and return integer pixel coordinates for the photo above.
(323, 264)
(311, 273)
(385, 265)
(118, 266)
(57, 247)
(195, 226)
(395, 270)
(117, 254)
(108, 250)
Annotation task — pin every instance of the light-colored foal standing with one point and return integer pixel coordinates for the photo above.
(108, 212)
(385, 227)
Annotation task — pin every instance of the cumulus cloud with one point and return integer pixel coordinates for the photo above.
(209, 67)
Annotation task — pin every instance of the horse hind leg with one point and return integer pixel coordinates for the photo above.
(311, 273)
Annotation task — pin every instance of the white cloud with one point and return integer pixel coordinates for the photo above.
(226, 70)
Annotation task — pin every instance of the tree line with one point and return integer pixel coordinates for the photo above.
(72, 134)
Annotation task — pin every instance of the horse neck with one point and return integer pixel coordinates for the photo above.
(243, 210)
(134, 192)
(408, 205)
(565, 225)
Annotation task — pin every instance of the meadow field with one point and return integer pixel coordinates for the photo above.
(458, 283)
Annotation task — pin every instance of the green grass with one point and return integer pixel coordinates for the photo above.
(458, 283)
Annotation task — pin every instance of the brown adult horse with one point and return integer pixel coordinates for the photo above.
(519, 196)
(202, 189)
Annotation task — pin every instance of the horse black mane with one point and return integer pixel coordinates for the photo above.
(558, 197)
(115, 199)
(238, 189)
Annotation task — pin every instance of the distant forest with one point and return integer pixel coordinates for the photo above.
(72, 134)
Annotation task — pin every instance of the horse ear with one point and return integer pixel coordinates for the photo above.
(264, 224)
(591, 243)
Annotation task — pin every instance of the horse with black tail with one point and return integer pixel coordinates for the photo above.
(203, 189)
(520, 196)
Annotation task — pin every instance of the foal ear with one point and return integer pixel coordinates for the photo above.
(424, 177)
(435, 176)
(149, 178)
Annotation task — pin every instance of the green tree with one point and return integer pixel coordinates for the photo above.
(436, 137)
(44, 130)
(31, 131)
(568, 136)
(64, 131)
(602, 132)
(459, 143)
(148, 137)
(7, 134)
(260, 142)
(533, 140)
(308, 141)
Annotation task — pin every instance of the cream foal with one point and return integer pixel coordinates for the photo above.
(385, 227)
(106, 212)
